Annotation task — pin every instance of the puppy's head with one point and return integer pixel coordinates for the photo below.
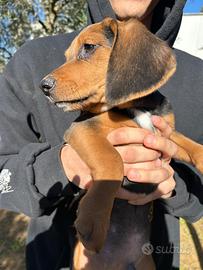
(108, 64)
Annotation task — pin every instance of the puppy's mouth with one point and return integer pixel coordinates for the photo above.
(72, 101)
(74, 104)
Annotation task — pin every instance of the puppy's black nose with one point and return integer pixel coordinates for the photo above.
(47, 85)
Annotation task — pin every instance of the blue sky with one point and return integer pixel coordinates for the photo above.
(193, 6)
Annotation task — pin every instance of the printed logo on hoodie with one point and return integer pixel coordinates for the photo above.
(5, 178)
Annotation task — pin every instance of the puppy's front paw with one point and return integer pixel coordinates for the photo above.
(92, 224)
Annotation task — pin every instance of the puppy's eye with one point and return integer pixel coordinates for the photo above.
(89, 47)
(87, 50)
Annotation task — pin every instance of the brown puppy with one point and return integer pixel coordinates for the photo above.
(112, 71)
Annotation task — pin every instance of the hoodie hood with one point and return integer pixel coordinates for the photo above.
(165, 22)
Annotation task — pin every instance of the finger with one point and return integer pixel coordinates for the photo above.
(142, 165)
(127, 135)
(162, 125)
(137, 153)
(127, 195)
(142, 201)
(167, 166)
(165, 146)
(154, 176)
(164, 190)
(145, 199)
(167, 196)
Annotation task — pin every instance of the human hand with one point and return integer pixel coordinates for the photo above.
(141, 156)
(146, 158)
(75, 168)
(79, 173)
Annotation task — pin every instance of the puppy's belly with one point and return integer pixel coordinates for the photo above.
(129, 231)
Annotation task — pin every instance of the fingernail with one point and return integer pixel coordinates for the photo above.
(150, 139)
(155, 119)
(158, 163)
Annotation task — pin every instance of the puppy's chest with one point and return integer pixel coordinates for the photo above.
(143, 119)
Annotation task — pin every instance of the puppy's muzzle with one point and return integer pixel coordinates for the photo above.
(47, 85)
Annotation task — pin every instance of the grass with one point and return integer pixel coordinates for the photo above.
(191, 245)
(13, 236)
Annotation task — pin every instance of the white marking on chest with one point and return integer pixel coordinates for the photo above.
(105, 108)
(143, 118)
(5, 178)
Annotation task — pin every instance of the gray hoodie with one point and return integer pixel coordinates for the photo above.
(32, 180)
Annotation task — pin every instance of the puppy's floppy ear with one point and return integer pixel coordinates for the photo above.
(139, 63)
(110, 29)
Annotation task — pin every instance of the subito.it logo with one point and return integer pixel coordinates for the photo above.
(147, 249)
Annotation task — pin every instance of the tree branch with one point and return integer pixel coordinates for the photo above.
(53, 4)
(43, 26)
(6, 51)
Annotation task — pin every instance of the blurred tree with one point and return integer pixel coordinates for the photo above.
(26, 19)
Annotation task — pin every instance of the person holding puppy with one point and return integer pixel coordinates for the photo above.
(41, 177)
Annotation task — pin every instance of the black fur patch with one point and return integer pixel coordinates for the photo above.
(155, 103)
(109, 34)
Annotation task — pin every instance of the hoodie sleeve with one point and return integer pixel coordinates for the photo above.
(187, 201)
(31, 176)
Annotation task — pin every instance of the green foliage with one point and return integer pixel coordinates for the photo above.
(26, 19)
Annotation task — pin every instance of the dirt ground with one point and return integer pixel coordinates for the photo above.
(13, 234)
(13, 229)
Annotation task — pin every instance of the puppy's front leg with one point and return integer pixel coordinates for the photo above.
(107, 171)
(188, 150)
